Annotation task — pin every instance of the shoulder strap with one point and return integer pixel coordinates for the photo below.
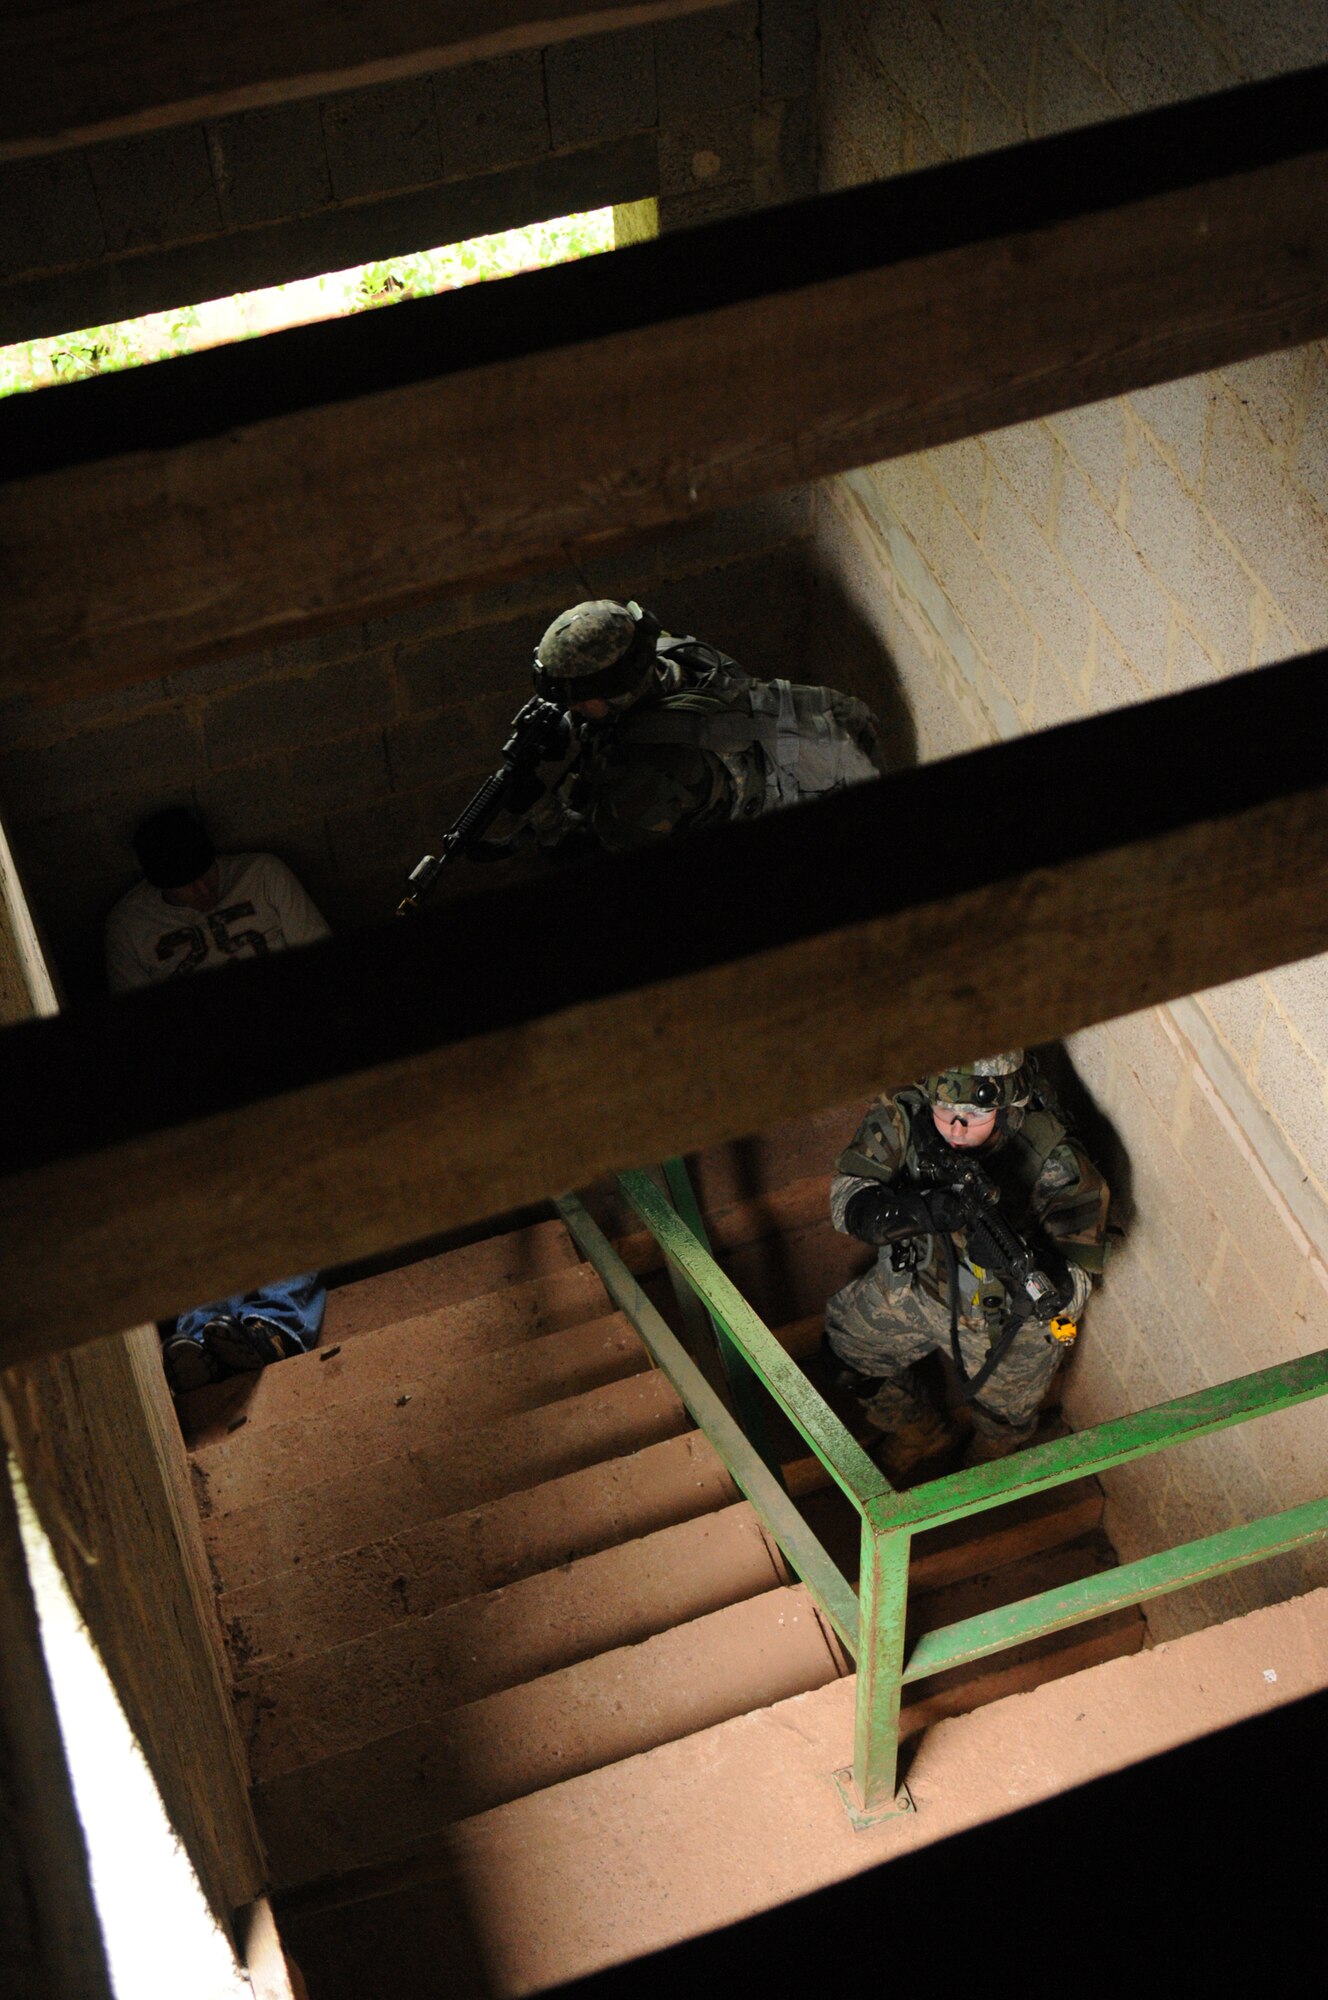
(1025, 1155)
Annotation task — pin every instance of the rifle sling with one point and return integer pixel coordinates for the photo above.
(1000, 1347)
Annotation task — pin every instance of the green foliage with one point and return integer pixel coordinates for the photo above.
(97, 350)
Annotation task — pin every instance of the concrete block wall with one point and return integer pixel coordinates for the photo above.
(348, 754)
(1222, 1272)
(1062, 568)
(711, 112)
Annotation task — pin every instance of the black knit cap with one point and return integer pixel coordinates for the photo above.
(172, 848)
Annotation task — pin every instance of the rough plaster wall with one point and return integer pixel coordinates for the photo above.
(348, 754)
(713, 112)
(1062, 568)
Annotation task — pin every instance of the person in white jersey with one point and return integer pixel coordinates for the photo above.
(195, 909)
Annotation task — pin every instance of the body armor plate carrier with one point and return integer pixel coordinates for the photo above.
(779, 741)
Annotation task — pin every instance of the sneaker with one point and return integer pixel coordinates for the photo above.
(243, 1346)
(285, 1343)
(188, 1364)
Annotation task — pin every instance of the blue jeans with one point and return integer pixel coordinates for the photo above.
(295, 1305)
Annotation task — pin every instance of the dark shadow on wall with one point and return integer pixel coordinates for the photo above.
(1091, 1124)
(848, 654)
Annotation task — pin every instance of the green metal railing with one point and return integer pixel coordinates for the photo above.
(870, 1622)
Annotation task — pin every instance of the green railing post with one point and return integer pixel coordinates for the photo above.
(838, 1450)
(872, 1626)
(882, 1603)
(833, 1595)
(745, 1392)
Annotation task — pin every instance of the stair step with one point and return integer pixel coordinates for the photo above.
(425, 1341)
(1020, 1669)
(441, 1562)
(795, 1205)
(392, 1418)
(304, 1711)
(376, 1802)
(1025, 1576)
(666, 1844)
(404, 1883)
(962, 1548)
(377, 1442)
(425, 1933)
(345, 1511)
(1004, 1534)
(542, 1253)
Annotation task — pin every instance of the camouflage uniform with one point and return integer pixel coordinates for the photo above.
(706, 743)
(899, 1311)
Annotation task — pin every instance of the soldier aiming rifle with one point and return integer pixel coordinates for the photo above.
(988, 1218)
(660, 734)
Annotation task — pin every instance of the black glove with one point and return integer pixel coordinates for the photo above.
(946, 1209)
(889, 1215)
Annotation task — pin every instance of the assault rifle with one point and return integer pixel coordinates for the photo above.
(540, 732)
(991, 1241)
(1033, 1292)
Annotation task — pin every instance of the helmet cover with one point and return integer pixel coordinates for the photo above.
(992, 1083)
(596, 651)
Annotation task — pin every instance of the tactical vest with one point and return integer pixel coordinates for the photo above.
(779, 741)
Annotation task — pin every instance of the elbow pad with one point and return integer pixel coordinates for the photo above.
(885, 1215)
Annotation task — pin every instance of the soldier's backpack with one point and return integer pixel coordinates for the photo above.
(811, 740)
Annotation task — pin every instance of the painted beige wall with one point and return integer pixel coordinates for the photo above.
(1062, 568)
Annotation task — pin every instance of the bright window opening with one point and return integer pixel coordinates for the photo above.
(129, 343)
(162, 1941)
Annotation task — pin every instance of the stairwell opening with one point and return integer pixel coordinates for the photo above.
(930, 575)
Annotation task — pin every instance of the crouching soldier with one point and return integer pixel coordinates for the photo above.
(989, 1218)
(635, 734)
(671, 734)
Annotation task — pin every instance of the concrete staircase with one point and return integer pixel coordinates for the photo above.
(472, 1548)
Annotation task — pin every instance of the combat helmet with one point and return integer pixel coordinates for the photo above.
(992, 1083)
(597, 651)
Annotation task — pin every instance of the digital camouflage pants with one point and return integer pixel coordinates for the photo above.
(881, 1323)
